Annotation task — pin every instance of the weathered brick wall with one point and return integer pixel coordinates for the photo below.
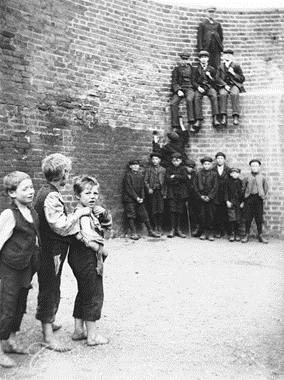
(91, 79)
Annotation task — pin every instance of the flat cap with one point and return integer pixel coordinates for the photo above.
(220, 154)
(211, 9)
(134, 162)
(185, 54)
(255, 160)
(203, 53)
(173, 136)
(155, 154)
(206, 159)
(176, 155)
(234, 168)
(228, 51)
(190, 163)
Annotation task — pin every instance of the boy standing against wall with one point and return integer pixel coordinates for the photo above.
(255, 189)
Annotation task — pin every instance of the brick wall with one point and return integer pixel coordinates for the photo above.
(91, 79)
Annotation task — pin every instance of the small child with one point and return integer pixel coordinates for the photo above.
(177, 194)
(19, 245)
(86, 260)
(154, 180)
(133, 195)
(206, 186)
(56, 228)
(235, 202)
(255, 189)
(192, 197)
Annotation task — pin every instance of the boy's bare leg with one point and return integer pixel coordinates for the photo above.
(13, 347)
(79, 333)
(5, 361)
(93, 339)
(50, 341)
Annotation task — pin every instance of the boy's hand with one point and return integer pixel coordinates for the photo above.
(150, 191)
(227, 88)
(201, 90)
(229, 204)
(180, 93)
(231, 70)
(140, 200)
(242, 205)
(155, 138)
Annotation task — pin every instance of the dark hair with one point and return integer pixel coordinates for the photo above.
(80, 183)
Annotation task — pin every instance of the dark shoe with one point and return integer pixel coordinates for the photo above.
(211, 237)
(160, 231)
(238, 238)
(218, 235)
(180, 234)
(232, 238)
(215, 122)
(171, 234)
(245, 239)
(262, 240)
(224, 120)
(154, 234)
(203, 237)
(195, 232)
(191, 128)
(197, 125)
(236, 120)
(134, 237)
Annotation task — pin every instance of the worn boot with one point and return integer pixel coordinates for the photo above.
(236, 119)
(224, 120)
(261, 239)
(245, 239)
(177, 228)
(215, 122)
(232, 237)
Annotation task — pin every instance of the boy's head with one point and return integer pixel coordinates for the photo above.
(18, 185)
(173, 136)
(210, 12)
(235, 172)
(203, 57)
(254, 165)
(155, 158)
(228, 54)
(184, 58)
(190, 165)
(86, 190)
(206, 162)
(176, 159)
(134, 165)
(56, 168)
(220, 158)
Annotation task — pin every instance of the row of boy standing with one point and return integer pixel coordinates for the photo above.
(214, 197)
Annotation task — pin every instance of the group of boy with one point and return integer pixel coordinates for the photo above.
(215, 198)
(193, 83)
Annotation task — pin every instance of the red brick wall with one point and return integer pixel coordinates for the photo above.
(91, 79)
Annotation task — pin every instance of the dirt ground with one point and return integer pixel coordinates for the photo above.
(174, 309)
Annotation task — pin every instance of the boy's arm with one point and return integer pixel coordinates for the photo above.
(58, 221)
(88, 235)
(129, 188)
(7, 225)
(265, 186)
(104, 217)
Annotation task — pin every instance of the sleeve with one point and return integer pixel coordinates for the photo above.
(58, 221)
(220, 32)
(7, 225)
(175, 81)
(239, 76)
(214, 191)
(226, 191)
(219, 81)
(128, 188)
(184, 137)
(244, 185)
(105, 219)
(195, 186)
(147, 179)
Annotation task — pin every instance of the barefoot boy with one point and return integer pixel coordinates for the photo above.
(18, 260)
(55, 226)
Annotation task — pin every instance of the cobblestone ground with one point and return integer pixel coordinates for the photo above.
(174, 309)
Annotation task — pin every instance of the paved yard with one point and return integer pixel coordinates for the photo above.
(175, 309)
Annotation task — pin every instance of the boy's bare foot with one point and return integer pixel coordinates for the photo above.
(99, 339)
(6, 362)
(15, 348)
(56, 327)
(79, 335)
(55, 345)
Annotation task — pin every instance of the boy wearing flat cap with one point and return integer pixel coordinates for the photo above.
(204, 84)
(154, 180)
(182, 88)
(229, 79)
(222, 171)
(177, 144)
(235, 202)
(177, 193)
(192, 202)
(255, 189)
(133, 196)
(206, 187)
(210, 37)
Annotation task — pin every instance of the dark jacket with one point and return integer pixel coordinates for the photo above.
(132, 187)
(209, 34)
(177, 186)
(150, 176)
(182, 77)
(172, 147)
(206, 183)
(233, 191)
(223, 77)
(200, 79)
(221, 183)
(21, 248)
